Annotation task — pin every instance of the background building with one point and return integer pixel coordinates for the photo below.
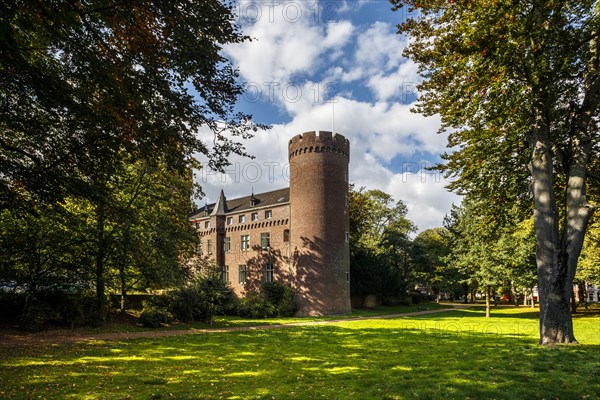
(297, 235)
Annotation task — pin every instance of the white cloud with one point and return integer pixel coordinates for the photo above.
(401, 83)
(380, 132)
(288, 42)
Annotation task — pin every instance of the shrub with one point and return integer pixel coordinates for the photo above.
(416, 297)
(38, 316)
(275, 299)
(56, 307)
(11, 306)
(203, 299)
(187, 304)
(153, 317)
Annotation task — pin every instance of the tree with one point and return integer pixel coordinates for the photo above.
(519, 82)
(381, 252)
(434, 247)
(84, 84)
(473, 252)
(516, 250)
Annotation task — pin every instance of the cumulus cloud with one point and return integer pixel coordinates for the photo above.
(306, 57)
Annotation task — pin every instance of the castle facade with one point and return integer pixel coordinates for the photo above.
(297, 235)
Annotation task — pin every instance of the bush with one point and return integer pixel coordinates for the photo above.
(11, 306)
(416, 297)
(59, 308)
(153, 317)
(255, 305)
(38, 316)
(203, 299)
(275, 299)
(187, 304)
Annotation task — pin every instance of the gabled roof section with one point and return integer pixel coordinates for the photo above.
(267, 199)
(276, 197)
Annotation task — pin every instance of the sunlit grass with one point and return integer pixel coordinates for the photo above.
(454, 355)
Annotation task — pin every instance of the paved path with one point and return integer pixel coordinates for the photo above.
(55, 338)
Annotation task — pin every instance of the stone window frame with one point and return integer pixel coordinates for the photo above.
(265, 240)
(226, 244)
(242, 274)
(245, 242)
(225, 273)
(268, 273)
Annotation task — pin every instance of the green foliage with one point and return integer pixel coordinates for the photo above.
(87, 83)
(518, 86)
(53, 308)
(382, 256)
(201, 300)
(104, 101)
(589, 267)
(155, 317)
(38, 316)
(275, 299)
(432, 269)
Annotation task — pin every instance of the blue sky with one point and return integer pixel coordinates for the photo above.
(318, 65)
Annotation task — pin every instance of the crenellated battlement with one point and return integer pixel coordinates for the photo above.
(319, 142)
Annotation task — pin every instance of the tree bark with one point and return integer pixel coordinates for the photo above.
(100, 255)
(488, 293)
(556, 325)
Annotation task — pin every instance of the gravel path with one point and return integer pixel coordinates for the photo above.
(67, 336)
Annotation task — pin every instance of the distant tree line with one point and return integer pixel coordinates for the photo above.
(471, 257)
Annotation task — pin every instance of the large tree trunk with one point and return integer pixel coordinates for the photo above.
(488, 294)
(556, 325)
(100, 255)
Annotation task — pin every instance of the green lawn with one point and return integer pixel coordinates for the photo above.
(459, 354)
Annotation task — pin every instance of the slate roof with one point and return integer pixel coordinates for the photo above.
(273, 198)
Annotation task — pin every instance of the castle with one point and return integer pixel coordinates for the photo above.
(297, 235)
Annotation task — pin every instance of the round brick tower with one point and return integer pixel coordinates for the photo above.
(320, 252)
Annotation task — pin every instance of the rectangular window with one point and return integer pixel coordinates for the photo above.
(347, 276)
(347, 237)
(207, 225)
(268, 273)
(243, 274)
(229, 220)
(268, 214)
(242, 219)
(226, 244)
(225, 274)
(346, 202)
(254, 216)
(209, 246)
(245, 242)
(286, 235)
(265, 240)
(197, 225)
